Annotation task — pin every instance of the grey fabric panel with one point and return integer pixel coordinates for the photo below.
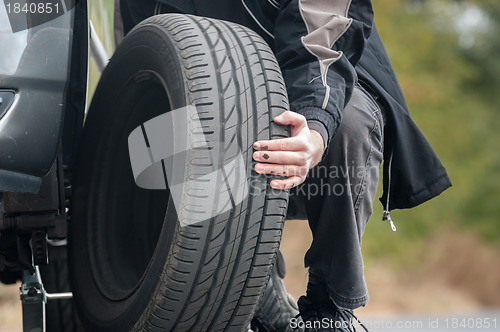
(317, 13)
(326, 22)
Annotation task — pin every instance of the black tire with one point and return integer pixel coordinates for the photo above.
(132, 266)
(277, 307)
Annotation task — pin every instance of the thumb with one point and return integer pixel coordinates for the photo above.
(293, 119)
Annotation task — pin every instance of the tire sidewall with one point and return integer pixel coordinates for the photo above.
(136, 56)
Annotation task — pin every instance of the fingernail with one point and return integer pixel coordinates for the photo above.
(274, 184)
(256, 155)
(256, 145)
(259, 168)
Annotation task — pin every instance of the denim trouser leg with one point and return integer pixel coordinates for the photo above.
(339, 195)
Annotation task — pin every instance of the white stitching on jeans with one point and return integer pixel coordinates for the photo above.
(376, 126)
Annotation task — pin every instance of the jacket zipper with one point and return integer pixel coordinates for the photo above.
(387, 212)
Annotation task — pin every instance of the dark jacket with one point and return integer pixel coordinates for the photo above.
(324, 47)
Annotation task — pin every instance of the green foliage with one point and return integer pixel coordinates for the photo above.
(101, 15)
(452, 93)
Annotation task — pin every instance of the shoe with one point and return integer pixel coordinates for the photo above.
(277, 308)
(326, 317)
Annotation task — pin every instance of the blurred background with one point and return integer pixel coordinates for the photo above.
(445, 256)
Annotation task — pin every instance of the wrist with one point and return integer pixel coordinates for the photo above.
(319, 145)
(320, 128)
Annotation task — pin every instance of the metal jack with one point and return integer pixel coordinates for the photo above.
(33, 298)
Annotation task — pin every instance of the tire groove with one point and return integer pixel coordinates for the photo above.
(237, 102)
(266, 202)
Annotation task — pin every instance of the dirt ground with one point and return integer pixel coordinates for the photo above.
(10, 309)
(449, 283)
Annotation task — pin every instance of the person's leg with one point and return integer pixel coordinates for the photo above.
(339, 195)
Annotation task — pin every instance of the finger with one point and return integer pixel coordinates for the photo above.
(291, 118)
(282, 144)
(281, 157)
(282, 170)
(289, 183)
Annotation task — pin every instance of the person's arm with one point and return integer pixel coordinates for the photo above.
(317, 44)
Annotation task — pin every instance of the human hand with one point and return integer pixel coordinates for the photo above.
(291, 157)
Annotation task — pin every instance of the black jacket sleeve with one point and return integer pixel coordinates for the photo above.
(318, 43)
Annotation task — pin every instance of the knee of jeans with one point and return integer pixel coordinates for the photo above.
(350, 132)
(361, 121)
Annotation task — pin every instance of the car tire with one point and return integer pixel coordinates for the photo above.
(132, 265)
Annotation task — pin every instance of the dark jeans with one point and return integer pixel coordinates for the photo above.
(338, 197)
